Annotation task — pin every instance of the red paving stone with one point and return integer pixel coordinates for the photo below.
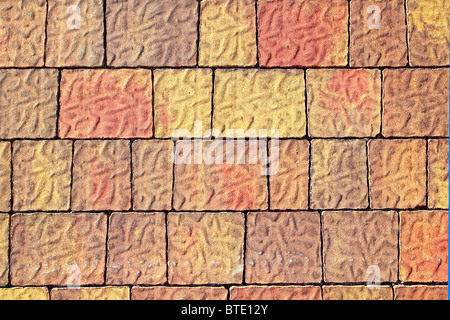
(421, 292)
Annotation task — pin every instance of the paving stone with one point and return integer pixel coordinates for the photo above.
(354, 242)
(206, 248)
(376, 45)
(136, 248)
(100, 293)
(397, 173)
(179, 293)
(357, 293)
(182, 96)
(344, 102)
(275, 293)
(42, 175)
(75, 33)
(58, 249)
(258, 99)
(106, 103)
(339, 174)
(424, 246)
(101, 175)
(307, 33)
(152, 175)
(415, 102)
(283, 248)
(152, 32)
(32, 293)
(5, 176)
(22, 33)
(421, 292)
(438, 173)
(227, 33)
(289, 186)
(4, 249)
(28, 103)
(428, 32)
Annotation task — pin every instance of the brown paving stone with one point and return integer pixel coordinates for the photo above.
(32, 293)
(424, 246)
(275, 293)
(305, 33)
(22, 33)
(28, 103)
(152, 175)
(152, 32)
(70, 46)
(179, 293)
(354, 241)
(339, 174)
(283, 248)
(47, 248)
(344, 102)
(5, 176)
(4, 249)
(289, 186)
(99, 293)
(397, 176)
(415, 102)
(357, 293)
(371, 46)
(42, 175)
(206, 248)
(438, 173)
(106, 103)
(136, 248)
(421, 293)
(101, 175)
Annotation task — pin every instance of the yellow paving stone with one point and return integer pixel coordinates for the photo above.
(438, 173)
(357, 293)
(35, 293)
(5, 176)
(99, 293)
(4, 252)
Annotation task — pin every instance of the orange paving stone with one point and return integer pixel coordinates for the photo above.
(357, 293)
(438, 173)
(421, 293)
(179, 293)
(5, 176)
(275, 293)
(4, 249)
(32, 293)
(100, 293)
(424, 246)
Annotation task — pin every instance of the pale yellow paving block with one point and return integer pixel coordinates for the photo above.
(4, 246)
(35, 293)
(5, 176)
(99, 293)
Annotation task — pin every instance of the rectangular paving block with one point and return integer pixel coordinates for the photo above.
(4, 249)
(152, 32)
(420, 292)
(275, 293)
(283, 248)
(136, 249)
(152, 174)
(58, 249)
(31, 293)
(179, 293)
(360, 246)
(99, 293)
(28, 103)
(415, 102)
(424, 246)
(182, 97)
(101, 175)
(227, 33)
(75, 33)
(339, 174)
(5, 176)
(438, 173)
(106, 103)
(255, 99)
(22, 33)
(397, 173)
(206, 248)
(344, 102)
(357, 293)
(378, 33)
(42, 175)
(307, 33)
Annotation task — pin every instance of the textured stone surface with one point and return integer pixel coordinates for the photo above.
(152, 175)
(375, 47)
(5, 176)
(206, 248)
(22, 33)
(4, 249)
(305, 33)
(136, 248)
(34, 293)
(260, 99)
(438, 173)
(42, 175)
(421, 293)
(227, 33)
(354, 241)
(49, 249)
(424, 246)
(101, 175)
(100, 293)
(344, 102)
(67, 45)
(275, 293)
(152, 32)
(428, 31)
(182, 96)
(179, 293)
(283, 248)
(357, 293)
(339, 174)
(289, 186)
(415, 102)
(28, 103)
(106, 104)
